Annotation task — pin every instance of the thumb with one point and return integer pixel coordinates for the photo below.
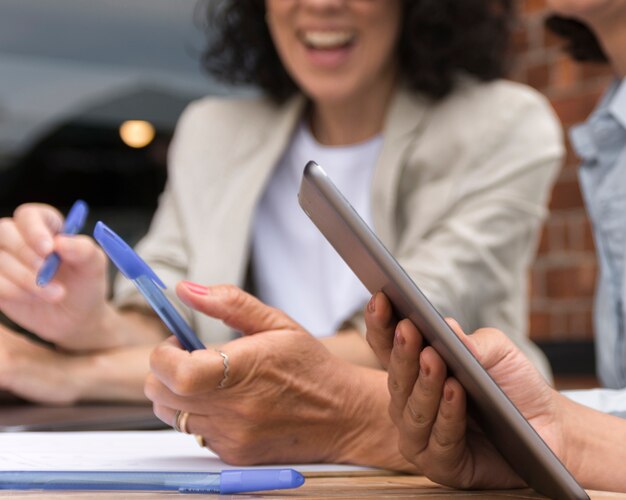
(82, 253)
(489, 345)
(237, 309)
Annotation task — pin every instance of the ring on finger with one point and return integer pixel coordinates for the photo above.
(226, 360)
(180, 421)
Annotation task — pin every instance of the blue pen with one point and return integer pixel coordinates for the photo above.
(74, 222)
(134, 268)
(225, 482)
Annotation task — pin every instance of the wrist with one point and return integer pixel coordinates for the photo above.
(125, 328)
(111, 375)
(368, 436)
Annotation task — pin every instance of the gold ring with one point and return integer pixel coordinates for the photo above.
(200, 440)
(180, 422)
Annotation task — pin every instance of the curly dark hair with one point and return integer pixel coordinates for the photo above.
(582, 43)
(440, 40)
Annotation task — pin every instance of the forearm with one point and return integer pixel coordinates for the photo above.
(114, 375)
(371, 439)
(351, 346)
(47, 375)
(594, 452)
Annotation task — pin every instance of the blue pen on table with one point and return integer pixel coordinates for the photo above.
(74, 222)
(149, 284)
(225, 482)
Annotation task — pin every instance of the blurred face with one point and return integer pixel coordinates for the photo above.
(336, 50)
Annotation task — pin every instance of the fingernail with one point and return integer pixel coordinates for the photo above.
(398, 338)
(371, 305)
(196, 288)
(45, 247)
(448, 393)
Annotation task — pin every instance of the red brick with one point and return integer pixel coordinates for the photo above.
(538, 75)
(588, 242)
(575, 108)
(543, 247)
(565, 73)
(519, 39)
(566, 195)
(590, 70)
(580, 324)
(536, 285)
(571, 281)
(532, 6)
(539, 325)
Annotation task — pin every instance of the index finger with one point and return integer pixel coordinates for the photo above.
(380, 325)
(38, 223)
(188, 373)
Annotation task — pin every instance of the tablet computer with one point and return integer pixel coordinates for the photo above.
(368, 258)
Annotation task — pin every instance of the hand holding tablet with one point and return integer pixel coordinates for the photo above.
(508, 430)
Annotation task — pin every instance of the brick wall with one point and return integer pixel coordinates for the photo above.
(564, 274)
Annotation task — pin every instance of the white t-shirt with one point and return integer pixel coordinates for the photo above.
(294, 268)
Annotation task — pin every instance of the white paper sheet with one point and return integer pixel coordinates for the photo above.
(121, 450)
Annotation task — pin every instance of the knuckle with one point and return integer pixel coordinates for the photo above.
(395, 387)
(157, 356)
(150, 387)
(5, 224)
(183, 381)
(415, 417)
(232, 294)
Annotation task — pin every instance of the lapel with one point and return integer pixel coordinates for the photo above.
(267, 142)
(260, 142)
(406, 116)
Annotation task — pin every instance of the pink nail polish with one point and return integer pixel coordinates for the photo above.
(398, 339)
(371, 305)
(448, 394)
(196, 288)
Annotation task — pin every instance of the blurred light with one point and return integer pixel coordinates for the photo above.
(137, 133)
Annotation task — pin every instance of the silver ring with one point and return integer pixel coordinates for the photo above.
(222, 384)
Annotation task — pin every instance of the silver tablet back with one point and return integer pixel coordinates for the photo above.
(359, 247)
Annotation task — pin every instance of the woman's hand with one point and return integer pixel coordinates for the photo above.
(71, 311)
(429, 408)
(286, 398)
(43, 374)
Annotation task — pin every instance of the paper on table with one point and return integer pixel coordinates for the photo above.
(121, 450)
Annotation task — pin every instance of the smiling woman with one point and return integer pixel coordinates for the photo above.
(436, 41)
(401, 102)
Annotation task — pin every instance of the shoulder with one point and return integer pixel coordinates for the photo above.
(484, 119)
(220, 115)
(223, 128)
(492, 105)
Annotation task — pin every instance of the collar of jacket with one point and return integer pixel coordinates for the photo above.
(404, 117)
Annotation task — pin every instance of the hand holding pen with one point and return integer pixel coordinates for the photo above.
(74, 222)
(67, 309)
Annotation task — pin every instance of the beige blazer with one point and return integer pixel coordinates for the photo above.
(458, 196)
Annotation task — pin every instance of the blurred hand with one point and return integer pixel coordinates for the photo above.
(287, 399)
(36, 372)
(72, 309)
(429, 408)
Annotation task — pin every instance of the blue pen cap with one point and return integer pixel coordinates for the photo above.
(242, 481)
(127, 261)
